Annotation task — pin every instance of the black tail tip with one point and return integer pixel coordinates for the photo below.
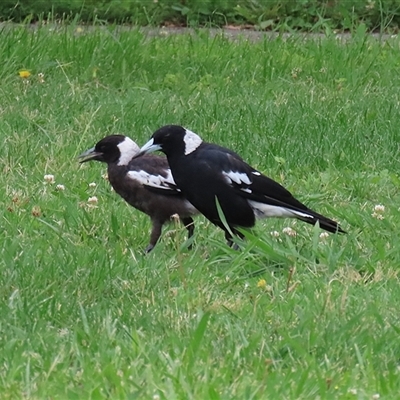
(332, 227)
(326, 224)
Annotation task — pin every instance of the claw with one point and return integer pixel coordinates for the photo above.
(148, 249)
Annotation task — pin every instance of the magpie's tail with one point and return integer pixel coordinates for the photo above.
(325, 223)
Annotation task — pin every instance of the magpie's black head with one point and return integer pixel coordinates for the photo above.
(112, 149)
(172, 139)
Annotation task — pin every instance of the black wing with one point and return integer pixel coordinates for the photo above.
(253, 185)
(248, 182)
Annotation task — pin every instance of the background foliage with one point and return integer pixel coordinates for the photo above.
(263, 14)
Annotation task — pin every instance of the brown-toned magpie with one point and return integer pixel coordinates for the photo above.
(145, 183)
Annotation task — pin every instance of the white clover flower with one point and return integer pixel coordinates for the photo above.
(289, 231)
(60, 187)
(41, 77)
(275, 233)
(379, 208)
(377, 216)
(376, 396)
(353, 391)
(63, 332)
(93, 200)
(323, 235)
(49, 178)
(92, 184)
(370, 5)
(295, 72)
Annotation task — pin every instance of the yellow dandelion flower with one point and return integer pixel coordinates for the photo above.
(262, 283)
(24, 73)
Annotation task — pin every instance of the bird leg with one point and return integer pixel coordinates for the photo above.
(230, 241)
(189, 225)
(155, 235)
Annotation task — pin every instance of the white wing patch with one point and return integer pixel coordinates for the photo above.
(239, 178)
(157, 181)
(263, 210)
(256, 173)
(192, 141)
(128, 148)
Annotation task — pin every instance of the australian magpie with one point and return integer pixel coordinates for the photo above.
(146, 183)
(208, 175)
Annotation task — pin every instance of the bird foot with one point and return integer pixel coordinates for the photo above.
(233, 245)
(149, 248)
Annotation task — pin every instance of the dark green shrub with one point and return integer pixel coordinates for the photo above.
(303, 15)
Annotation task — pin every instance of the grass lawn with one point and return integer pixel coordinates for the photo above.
(85, 315)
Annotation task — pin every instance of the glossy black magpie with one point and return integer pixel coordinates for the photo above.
(146, 183)
(208, 174)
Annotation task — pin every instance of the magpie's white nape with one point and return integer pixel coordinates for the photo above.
(145, 183)
(206, 172)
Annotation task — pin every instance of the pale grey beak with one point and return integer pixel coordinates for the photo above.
(149, 147)
(90, 154)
